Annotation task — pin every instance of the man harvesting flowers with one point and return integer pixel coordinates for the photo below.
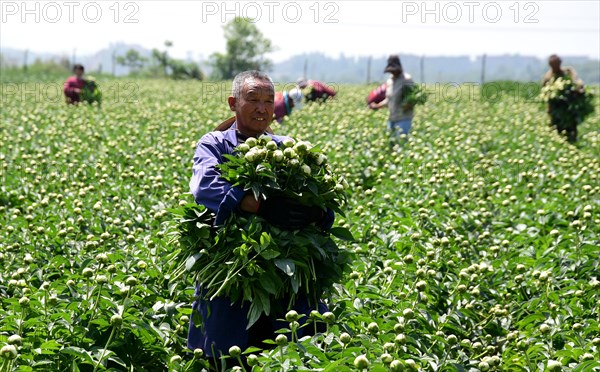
(568, 102)
(79, 89)
(401, 96)
(272, 202)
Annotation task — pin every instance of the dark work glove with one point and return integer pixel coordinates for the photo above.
(288, 214)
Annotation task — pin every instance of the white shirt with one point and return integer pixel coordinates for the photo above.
(395, 100)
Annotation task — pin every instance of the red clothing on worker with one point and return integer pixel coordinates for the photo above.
(283, 105)
(318, 90)
(71, 84)
(377, 95)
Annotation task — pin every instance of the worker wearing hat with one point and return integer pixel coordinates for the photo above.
(401, 114)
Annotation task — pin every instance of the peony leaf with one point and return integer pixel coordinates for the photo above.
(191, 261)
(342, 233)
(286, 265)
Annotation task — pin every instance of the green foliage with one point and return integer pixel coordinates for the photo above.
(501, 90)
(38, 70)
(568, 103)
(413, 94)
(185, 70)
(132, 59)
(247, 259)
(176, 69)
(298, 171)
(91, 93)
(245, 50)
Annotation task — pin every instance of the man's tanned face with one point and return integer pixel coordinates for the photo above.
(255, 106)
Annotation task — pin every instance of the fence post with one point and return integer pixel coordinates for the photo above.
(483, 69)
(369, 70)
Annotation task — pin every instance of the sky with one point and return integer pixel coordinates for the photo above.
(351, 28)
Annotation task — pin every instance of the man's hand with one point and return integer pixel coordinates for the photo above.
(249, 204)
(377, 106)
(289, 214)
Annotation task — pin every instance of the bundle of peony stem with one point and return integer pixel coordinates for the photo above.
(250, 260)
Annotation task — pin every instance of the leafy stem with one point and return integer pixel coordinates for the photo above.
(23, 312)
(112, 334)
(93, 313)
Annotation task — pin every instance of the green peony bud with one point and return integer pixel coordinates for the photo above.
(15, 340)
(373, 328)
(252, 360)
(288, 143)
(9, 352)
(292, 316)
(250, 156)
(116, 320)
(320, 159)
(290, 153)
(396, 366)
(281, 340)
(554, 365)
(264, 139)
(102, 258)
(314, 314)
(24, 301)
(87, 272)
(278, 155)
(345, 338)
(235, 351)
(386, 358)
(361, 362)
(271, 146)
(306, 169)
(411, 364)
(400, 339)
(329, 317)
(243, 148)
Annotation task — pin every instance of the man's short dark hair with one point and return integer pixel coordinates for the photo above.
(554, 58)
(78, 67)
(242, 77)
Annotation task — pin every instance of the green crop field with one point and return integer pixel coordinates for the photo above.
(477, 241)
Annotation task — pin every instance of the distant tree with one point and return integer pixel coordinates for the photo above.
(245, 50)
(132, 59)
(175, 68)
(162, 57)
(62, 66)
(185, 70)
